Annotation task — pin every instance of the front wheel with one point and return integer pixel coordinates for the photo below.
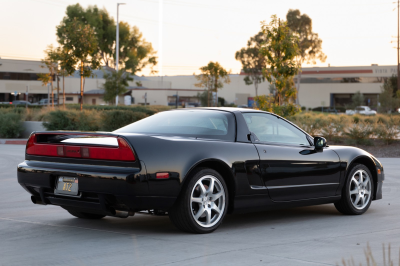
(358, 191)
(203, 203)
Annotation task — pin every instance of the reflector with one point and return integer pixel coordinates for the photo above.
(162, 175)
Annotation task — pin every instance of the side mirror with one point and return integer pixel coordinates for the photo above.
(319, 143)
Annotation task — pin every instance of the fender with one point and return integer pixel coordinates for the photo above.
(350, 155)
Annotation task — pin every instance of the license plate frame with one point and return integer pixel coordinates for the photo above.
(67, 186)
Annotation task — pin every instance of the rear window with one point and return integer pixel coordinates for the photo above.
(194, 123)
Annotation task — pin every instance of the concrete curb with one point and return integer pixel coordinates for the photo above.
(13, 141)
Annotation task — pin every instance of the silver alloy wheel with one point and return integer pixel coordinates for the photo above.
(207, 201)
(360, 189)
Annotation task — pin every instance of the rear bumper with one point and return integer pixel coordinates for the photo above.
(104, 189)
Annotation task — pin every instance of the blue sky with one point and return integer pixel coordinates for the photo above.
(196, 32)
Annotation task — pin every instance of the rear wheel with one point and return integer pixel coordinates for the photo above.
(202, 204)
(85, 215)
(357, 192)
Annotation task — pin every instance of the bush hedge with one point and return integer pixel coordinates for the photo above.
(10, 123)
(356, 129)
(91, 120)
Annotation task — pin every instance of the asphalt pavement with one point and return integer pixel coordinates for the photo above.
(318, 235)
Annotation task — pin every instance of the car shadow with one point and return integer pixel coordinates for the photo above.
(149, 224)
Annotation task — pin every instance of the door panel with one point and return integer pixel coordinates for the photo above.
(296, 173)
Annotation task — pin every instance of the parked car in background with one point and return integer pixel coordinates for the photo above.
(243, 106)
(44, 102)
(362, 110)
(21, 103)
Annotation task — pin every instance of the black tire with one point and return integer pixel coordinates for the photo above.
(85, 215)
(181, 214)
(345, 205)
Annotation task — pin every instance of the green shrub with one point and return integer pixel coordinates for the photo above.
(388, 128)
(59, 120)
(360, 130)
(309, 122)
(332, 126)
(112, 120)
(72, 120)
(10, 125)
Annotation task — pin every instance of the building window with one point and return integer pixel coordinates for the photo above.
(19, 76)
(343, 80)
(69, 99)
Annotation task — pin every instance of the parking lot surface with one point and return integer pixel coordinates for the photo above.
(319, 235)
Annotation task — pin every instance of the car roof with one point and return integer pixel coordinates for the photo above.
(226, 109)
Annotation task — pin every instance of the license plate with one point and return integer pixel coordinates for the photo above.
(67, 186)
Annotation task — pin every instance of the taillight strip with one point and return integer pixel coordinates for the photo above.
(121, 153)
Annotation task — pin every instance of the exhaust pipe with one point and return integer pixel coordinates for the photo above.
(123, 214)
(36, 200)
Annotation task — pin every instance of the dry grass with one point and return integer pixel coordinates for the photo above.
(370, 260)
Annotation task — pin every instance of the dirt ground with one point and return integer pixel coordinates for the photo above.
(376, 147)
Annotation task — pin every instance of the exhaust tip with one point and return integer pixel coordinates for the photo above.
(36, 200)
(122, 214)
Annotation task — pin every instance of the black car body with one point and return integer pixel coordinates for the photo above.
(257, 174)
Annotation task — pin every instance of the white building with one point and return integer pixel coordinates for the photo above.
(320, 86)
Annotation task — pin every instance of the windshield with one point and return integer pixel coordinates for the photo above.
(194, 123)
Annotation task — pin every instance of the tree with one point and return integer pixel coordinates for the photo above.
(66, 66)
(135, 52)
(116, 84)
(49, 62)
(389, 98)
(212, 77)
(80, 42)
(357, 99)
(280, 51)
(102, 24)
(253, 62)
(310, 45)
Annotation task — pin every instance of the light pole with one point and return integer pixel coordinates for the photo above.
(117, 48)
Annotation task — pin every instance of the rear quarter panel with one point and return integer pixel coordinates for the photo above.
(178, 156)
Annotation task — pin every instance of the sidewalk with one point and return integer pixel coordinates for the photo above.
(13, 141)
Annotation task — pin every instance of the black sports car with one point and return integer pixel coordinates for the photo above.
(197, 165)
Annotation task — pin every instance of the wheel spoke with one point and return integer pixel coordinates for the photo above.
(367, 192)
(354, 180)
(211, 187)
(216, 196)
(202, 188)
(360, 176)
(366, 180)
(199, 212)
(197, 200)
(216, 209)
(357, 199)
(352, 192)
(362, 200)
(208, 216)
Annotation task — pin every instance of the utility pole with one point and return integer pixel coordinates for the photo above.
(398, 41)
(117, 48)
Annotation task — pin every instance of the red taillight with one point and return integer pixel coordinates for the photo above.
(121, 153)
(162, 175)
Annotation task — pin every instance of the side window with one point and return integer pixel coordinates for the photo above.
(269, 128)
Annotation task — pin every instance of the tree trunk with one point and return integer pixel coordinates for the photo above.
(81, 85)
(256, 87)
(208, 97)
(298, 87)
(58, 91)
(52, 92)
(63, 92)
